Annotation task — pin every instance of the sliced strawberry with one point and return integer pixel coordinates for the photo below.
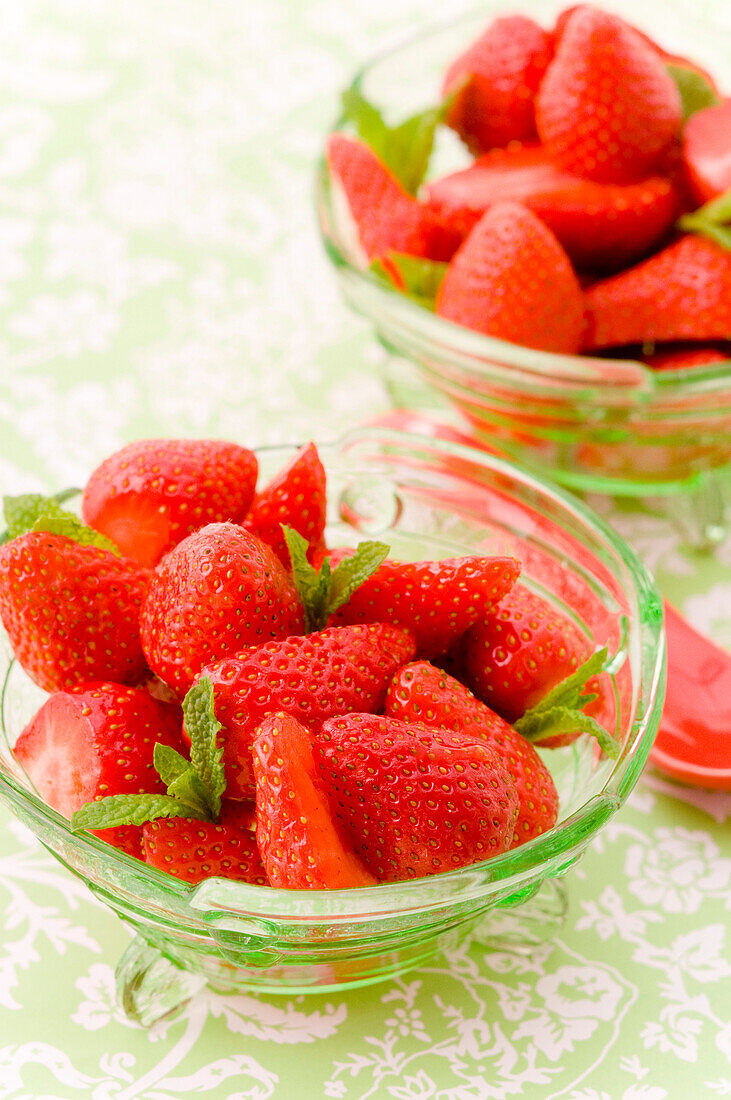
(707, 151)
(421, 693)
(216, 592)
(601, 226)
(679, 358)
(311, 677)
(512, 279)
(436, 600)
(607, 108)
(194, 850)
(495, 82)
(385, 216)
(415, 801)
(301, 845)
(149, 495)
(680, 293)
(297, 497)
(71, 611)
(93, 741)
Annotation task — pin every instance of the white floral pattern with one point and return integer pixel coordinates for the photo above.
(161, 275)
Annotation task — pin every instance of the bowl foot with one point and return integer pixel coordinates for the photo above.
(150, 987)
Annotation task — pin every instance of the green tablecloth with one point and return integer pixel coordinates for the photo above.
(160, 273)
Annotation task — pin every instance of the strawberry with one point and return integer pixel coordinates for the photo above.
(415, 801)
(607, 108)
(601, 226)
(436, 600)
(216, 592)
(94, 740)
(707, 151)
(301, 844)
(71, 611)
(421, 693)
(521, 649)
(152, 493)
(311, 677)
(297, 497)
(194, 850)
(680, 293)
(511, 279)
(494, 83)
(385, 216)
(679, 358)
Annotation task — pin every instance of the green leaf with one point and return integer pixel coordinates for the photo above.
(695, 91)
(352, 571)
(169, 764)
(190, 789)
(404, 149)
(712, 221)
(568, 693)
(415, 277)
(206, 755)
(35, 512)
(130, 809)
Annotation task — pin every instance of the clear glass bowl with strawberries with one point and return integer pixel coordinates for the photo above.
(535, 210)
(332, 801)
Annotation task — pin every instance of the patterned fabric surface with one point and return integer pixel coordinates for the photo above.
(161, 274)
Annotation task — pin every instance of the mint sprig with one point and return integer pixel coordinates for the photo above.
(325, 590)
(404, 149)
(35, 512)
(695, 91)
(562, 709)
(415, 277)
(194, 787)
(712, 221)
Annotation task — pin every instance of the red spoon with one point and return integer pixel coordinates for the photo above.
(693, 743)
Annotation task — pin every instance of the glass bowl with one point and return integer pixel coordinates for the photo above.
(428, 499)
(611, 426)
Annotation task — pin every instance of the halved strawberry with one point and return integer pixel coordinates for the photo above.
(71, 611)
(512, 279)
(194, 850)
(601, 226)
(494, 83)
(607, 108)
(383, 214)
(216, 592)
(680, 293)
(300, 842)
(415, 801)
(671, 357)
(312, 677)
(149, 495)
(296, 496)
(707, 151)
(423, 694)
(96, 740)
(436, 600)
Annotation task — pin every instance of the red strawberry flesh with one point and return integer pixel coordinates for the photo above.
(194, 850)
(297, 498)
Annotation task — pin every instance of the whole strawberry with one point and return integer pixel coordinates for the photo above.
(295, 497)
(311, 677)
(423, 694)
(219, 590)
(193, 850)
(96, 740)
(302, 845)
(512, 279)
(149, 495)
(71, 610)
(436, 600)
(415, 801)
(494, 83)
(607, 108)
(680, 293)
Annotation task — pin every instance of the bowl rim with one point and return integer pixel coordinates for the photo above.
(638, 380)
(546, 852)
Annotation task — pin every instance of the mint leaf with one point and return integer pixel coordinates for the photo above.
(324, 591)
(404, 149)
(695, 91)
(21, 512)
(561, 709)
(66, 523)
(712, 221)
(169, 764)
(206, 755)
(415, 277)
(35, 512)
(190, 789)
(129, 809)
